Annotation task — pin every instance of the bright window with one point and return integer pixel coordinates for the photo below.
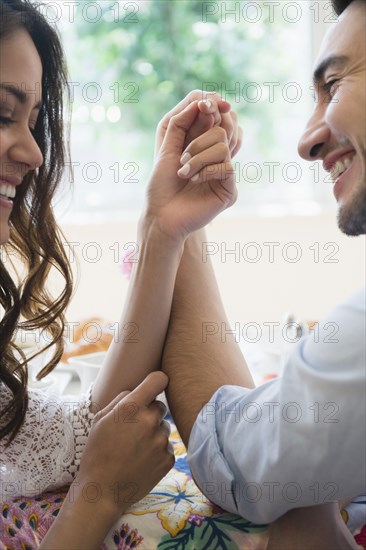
(130, 62)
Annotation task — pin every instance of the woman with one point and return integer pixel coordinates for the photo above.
(32, 158)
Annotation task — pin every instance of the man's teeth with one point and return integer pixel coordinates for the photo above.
(340, 167)
(7, 191)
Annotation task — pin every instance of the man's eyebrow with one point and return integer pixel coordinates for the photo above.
(333, 61)
(19, 94)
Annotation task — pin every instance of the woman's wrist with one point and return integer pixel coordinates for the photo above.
(159, 252)
(152, 229)
(73, 529)
(87, 492)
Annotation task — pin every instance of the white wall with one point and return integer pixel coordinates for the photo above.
(258, 292)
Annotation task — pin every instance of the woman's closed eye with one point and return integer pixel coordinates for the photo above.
(6, 121)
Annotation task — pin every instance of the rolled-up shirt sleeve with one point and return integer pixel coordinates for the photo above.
(295, 441)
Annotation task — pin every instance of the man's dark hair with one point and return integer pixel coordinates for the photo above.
(340, 5)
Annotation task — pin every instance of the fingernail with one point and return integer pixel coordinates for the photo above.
(195, 177)
(184, 171)
(208, 103)
(185, 158)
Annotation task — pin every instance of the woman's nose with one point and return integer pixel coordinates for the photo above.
(25, 150)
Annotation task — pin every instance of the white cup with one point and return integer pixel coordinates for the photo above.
(87, 367)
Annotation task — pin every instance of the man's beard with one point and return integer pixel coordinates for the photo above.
(352, 216)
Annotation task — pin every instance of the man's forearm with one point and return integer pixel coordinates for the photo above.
(197, 363)
(328, 530)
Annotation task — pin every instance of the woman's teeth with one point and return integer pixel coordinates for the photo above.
(340, 167)
(7, 191)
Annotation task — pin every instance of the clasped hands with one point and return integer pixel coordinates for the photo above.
(191, 182)
(193, 177)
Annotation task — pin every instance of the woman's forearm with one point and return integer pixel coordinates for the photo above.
(137, 347)
(83, 521)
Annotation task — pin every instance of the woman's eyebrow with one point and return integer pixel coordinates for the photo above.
(18, 93)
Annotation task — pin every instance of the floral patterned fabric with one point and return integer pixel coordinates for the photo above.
(174, 516)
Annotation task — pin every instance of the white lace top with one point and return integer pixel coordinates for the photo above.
(46, 452)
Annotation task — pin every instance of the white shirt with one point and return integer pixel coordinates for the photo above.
(46, 452)
(298, 440)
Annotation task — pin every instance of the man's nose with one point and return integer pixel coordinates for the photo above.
(314, 138)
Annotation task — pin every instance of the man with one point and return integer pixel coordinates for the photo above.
(245, 454)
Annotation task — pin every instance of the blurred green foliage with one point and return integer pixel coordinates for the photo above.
(167, 48)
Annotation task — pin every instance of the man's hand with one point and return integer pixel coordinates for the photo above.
(213, 111)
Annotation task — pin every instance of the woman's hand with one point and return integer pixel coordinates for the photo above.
(178, 204)
(128, 451)
(126, 455)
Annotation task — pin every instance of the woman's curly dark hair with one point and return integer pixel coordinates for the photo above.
(35, 238)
